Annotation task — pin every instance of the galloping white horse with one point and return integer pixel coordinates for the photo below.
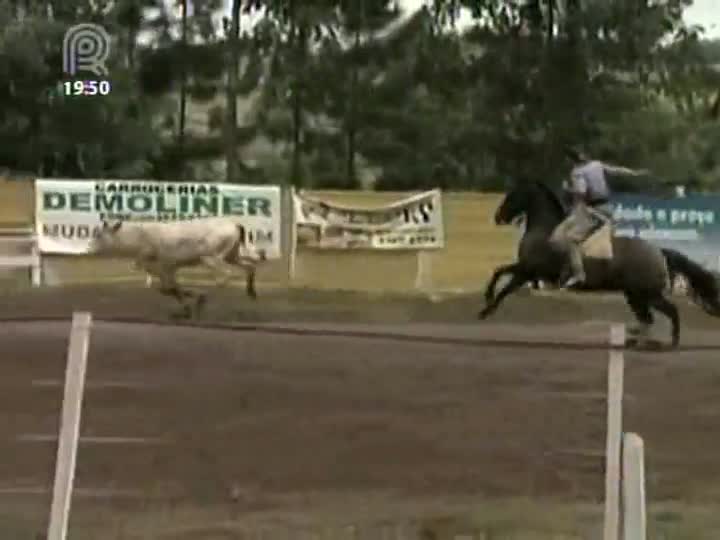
(162, 248)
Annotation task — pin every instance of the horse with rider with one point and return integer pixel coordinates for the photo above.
(574, 248)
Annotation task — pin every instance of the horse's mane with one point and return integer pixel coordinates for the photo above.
(553, 197)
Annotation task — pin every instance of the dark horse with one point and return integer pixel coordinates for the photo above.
(638, 269)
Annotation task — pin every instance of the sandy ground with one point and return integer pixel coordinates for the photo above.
(324, 398)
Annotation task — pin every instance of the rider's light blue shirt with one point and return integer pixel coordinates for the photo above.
(589, 180)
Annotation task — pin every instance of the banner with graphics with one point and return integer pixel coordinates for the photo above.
(414, 223)
(688, 224)
(67, 212)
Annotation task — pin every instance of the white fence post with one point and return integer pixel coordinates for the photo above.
(616, 368)
(423, 274)
(633, 483)
(293, 232)
(69, 425)
(36, 270)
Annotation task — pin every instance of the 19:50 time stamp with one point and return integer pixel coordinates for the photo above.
(92, 87)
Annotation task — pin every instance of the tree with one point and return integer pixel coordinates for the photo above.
(52, 134)
(347, 86)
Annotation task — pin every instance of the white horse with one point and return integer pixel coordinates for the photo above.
(160, 249)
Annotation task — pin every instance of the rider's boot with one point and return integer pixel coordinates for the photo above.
(576, 264)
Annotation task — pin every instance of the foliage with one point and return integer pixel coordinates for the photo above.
(320, 92)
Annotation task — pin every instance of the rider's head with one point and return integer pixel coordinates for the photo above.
(575, 155)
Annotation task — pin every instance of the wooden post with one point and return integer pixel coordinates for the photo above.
(616, 370)
(633, 483)
(69, 426)
(423, 274)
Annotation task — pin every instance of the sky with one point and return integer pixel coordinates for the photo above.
(703, 12)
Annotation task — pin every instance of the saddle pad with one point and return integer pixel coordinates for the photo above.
(599, 244)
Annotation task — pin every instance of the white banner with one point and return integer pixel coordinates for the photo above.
(415, 223)
(67, 212)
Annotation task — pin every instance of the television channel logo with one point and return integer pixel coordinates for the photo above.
(86, 47)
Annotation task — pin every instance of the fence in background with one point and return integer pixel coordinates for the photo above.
(18, 250)
(474, 247)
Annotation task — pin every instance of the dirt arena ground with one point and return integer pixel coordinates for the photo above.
(329, 403)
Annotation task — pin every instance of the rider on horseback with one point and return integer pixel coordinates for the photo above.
(591, 205)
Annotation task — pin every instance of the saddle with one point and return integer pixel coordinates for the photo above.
(598, 244)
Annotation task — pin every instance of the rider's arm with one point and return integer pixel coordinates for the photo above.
(616, 169)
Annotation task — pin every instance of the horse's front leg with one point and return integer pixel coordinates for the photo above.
(517, 281)
(250, 280)
(497, 274)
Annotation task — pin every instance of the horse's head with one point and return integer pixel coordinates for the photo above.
(106, 238)
(526, 198)
(514, 205)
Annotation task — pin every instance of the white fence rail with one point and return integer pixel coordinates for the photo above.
(18, 249)
(625, 504)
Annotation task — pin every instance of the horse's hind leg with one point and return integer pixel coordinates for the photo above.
(170, 287)
(178, 294)
(667, 308)
(640, 307)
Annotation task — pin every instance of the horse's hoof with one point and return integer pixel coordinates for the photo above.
(482, 315)
(644, 344)
(252, 295)
(199, 307)
(187, 312)
(180, 315)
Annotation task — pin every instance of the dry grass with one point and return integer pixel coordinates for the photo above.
(517, 519)
(17, 202)
(475, 246)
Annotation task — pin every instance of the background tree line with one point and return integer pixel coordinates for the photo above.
(347, 93)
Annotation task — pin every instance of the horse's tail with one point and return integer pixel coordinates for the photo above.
(703, 283)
